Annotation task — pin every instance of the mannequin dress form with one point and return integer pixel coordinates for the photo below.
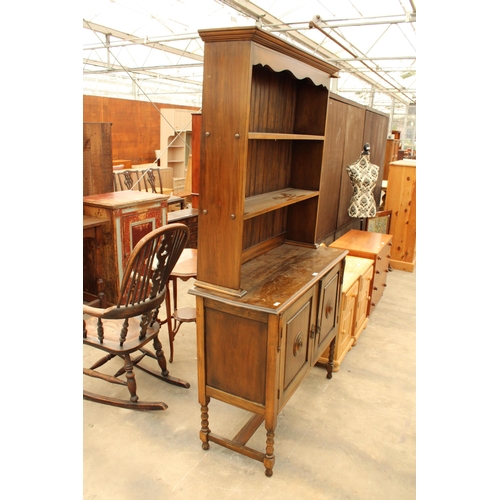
(363, 175)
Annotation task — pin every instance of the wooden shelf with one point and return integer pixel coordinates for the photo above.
(282, 137)
(267, 202)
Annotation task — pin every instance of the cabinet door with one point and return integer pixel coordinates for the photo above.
(296, 342)
(363, 298)
(346, 323)
(328, 312)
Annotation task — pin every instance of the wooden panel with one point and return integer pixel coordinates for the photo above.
(136, 125)
(332, 169)
(276, 92)
(226, 91)
(260, 178)
(236, 354)
(263, 228)
(306, 164)
(328, 313)
(311, 109)
(297, 346)
(375, 133)
(297, 230)
(196, 152)
(97, 162)
(353, 147)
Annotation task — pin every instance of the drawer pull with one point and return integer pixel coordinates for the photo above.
(377, 272)
(375, 288)
(378, 257)
(298, 343)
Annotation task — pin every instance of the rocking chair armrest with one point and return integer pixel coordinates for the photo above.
(97, 312)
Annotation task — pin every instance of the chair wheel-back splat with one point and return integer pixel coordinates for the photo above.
(125, 329)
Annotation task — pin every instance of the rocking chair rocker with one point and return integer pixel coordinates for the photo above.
(127, 327)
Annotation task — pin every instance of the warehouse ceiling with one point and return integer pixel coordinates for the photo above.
(151, 50)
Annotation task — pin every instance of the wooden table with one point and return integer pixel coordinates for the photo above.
(185, 269)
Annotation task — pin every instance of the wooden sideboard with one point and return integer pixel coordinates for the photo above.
(254, 350)
(374, 246)
(131, 215)
(401, 199)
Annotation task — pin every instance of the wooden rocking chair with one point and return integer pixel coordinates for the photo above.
(126, 328)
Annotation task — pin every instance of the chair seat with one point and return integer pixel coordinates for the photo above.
(112, 329)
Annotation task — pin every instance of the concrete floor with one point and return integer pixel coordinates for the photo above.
(352, 437)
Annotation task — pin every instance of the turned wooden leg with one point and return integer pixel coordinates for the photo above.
(160, 356)
(269, 458)
(131, 383)
(329, 365)
(205, 431)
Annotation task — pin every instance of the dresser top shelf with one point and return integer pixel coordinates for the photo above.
(262, 203)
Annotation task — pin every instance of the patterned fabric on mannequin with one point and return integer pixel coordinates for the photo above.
(363, 175)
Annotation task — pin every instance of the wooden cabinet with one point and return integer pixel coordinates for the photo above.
(131, 215)
(267, 296)
(401, 199)
(175, 143)
(354, 304)
(254, 350)
(374, 246)
(97, 162)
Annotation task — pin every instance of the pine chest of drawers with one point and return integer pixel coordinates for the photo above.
(374, 246)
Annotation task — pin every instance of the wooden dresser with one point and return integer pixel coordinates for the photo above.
(354, 304)
(401, 199)
(131, 215)
(267, 295)
(374, 246)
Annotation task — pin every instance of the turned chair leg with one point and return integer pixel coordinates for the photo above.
(131, 383)
(160, 356)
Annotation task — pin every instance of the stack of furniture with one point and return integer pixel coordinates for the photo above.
(175, 144)
(267, 297)
(401, 200)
